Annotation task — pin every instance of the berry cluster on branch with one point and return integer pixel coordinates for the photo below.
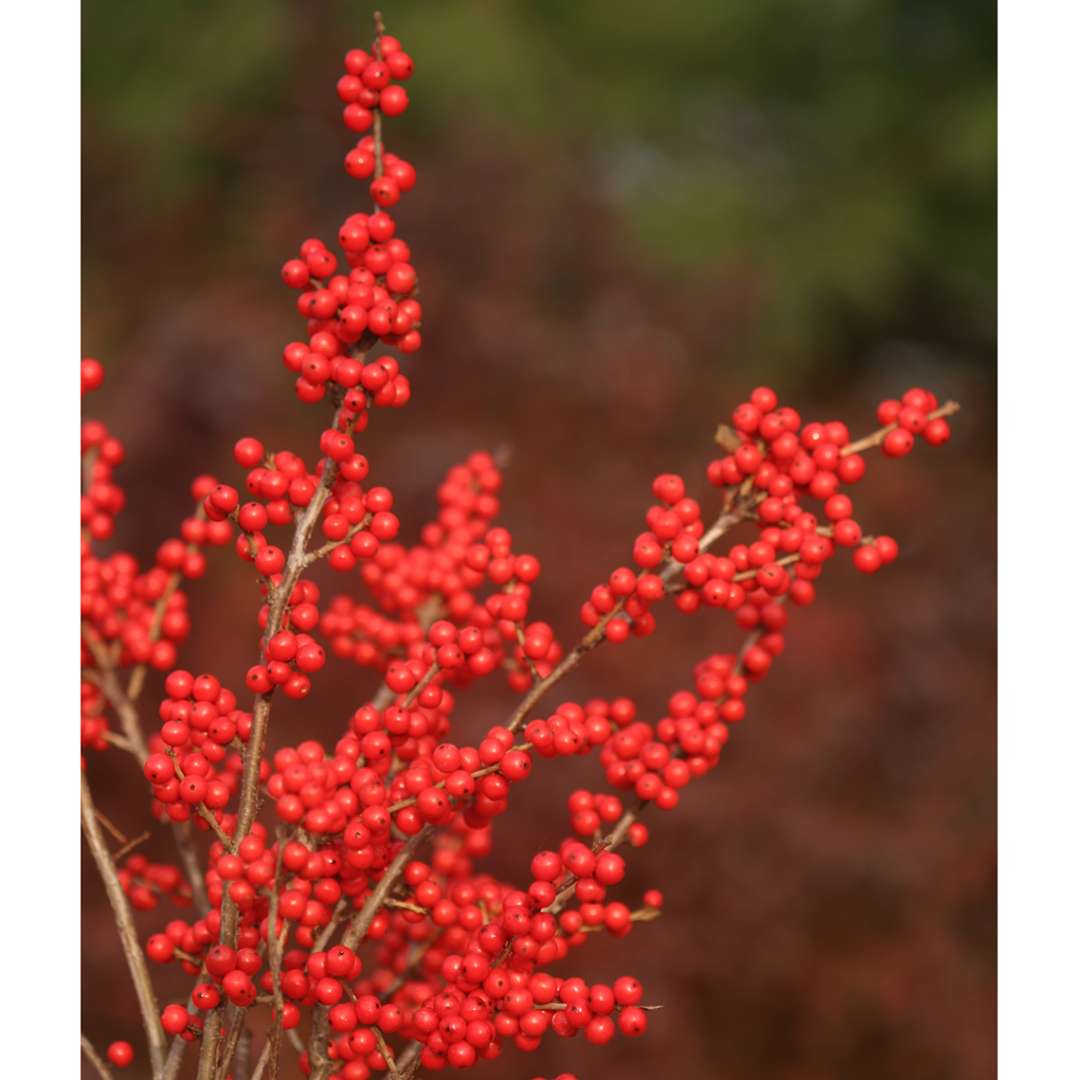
(339, 884)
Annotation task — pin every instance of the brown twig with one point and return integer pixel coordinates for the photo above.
(115, 693)
(274, 950)
(409, 1061)
(125, 926)
(331, 545)
(236, 1026)
(130, 846)
(211, 1043)
(317, 1055)
(242, 1066)
(175, 1059)
(264, 1060)
(328, 930)
(376, 127)
(110, 828)
(387, 1053)
(414, 693)
(114, 738)
(406, 905)
(95, 1059)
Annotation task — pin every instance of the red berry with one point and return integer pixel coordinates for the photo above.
(174, 1019)
(393, 101)
(121, 1054)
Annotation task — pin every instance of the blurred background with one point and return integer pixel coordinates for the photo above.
(627, 217)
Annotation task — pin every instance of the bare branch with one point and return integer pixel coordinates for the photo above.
(125, 926)
(95, 1059)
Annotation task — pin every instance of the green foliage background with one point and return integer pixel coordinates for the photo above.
(835, 159)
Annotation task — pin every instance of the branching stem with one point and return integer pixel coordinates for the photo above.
(125, 927)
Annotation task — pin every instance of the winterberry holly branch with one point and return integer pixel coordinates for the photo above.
(364, 917)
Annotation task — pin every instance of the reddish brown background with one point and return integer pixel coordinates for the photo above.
(830, 888)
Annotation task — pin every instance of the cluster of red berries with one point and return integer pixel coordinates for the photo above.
(458, 554)
(371, 82)
(195, 945)
(194, 766)
(281, 487)
(375, 300)
(576, 729)
(102, 499)
(913, 415)
(394, 772)
(147, 883)
(459, 1026)
(130, 617)
(119, 607)
(342, 920)
(291, 658)
(776, 465)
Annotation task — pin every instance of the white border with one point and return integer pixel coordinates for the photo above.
(39, 283)
(1039, 726)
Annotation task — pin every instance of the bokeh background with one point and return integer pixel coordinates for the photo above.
(628, 215)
